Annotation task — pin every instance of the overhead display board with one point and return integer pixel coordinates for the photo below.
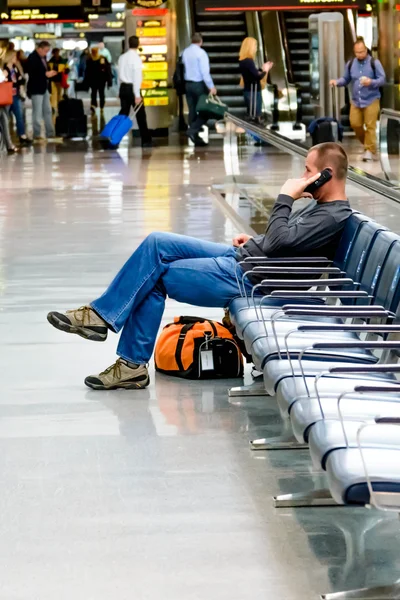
(43, 14)
(96, 6)
(261, 5)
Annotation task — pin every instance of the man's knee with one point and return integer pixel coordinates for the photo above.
(158, 237)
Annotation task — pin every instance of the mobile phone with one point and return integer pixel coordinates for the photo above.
(326, 175)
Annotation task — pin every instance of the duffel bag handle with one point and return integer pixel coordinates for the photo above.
(187, 320)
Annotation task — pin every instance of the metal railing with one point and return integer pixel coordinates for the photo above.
(389, 143)
(364, 180)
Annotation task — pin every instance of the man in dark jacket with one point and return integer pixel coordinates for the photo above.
(204, 273)
(39, 90)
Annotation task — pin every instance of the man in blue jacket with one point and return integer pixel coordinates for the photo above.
(367, 76)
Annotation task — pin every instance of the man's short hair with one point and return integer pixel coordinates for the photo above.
(133, 42)
(197, 38)
(331, 154)
(43, 44)
(360, 40)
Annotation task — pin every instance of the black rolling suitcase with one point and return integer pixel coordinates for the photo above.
(326, 129)
(71, 120)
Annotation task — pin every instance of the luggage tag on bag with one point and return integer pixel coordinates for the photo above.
(206, 355)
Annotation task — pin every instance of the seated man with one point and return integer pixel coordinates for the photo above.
(204, 273)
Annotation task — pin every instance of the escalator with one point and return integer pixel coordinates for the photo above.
(294, 28)
(222, 37)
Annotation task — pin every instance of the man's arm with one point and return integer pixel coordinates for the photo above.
(346, 79)
(205, 70)
(380, 78)
(137, 82)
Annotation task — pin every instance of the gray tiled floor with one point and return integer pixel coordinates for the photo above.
(154, 493)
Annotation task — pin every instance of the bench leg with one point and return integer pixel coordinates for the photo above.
(285, 441)
(320, 497)
(384, 592)
(280, 442)
(255, 389)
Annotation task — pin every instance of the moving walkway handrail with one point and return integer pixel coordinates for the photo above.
(355, 175)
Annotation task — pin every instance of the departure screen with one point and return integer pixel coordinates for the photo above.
(224, 5)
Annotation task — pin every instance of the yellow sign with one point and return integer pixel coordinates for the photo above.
(156, 66)
(155, 101)
(161, 49)
(81, 25)
(115, 24)
(155, 75)
(34, 14)
(43, 36)
(151, 31)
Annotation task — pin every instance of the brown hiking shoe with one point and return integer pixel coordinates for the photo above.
(82, 321)
(120, 375)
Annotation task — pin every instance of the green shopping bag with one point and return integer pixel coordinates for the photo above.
(211, 106)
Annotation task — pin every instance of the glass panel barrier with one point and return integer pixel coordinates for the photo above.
(389, 144)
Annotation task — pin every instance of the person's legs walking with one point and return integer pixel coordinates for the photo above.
(371, 114)
(141, 119)
(5, 129)
(126, 98)
(37, 112)
(191, 100)
(93, 96)
(102, 95)
(48, 116)
(195, 90)
(16, 109)
(357, 122)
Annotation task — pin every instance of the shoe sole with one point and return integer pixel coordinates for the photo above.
(86, 334)
(129, 385)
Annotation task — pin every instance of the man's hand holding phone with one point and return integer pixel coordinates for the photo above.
(295, 187)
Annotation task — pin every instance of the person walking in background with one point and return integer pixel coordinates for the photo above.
(104, 52)
(58, 64)
(5, 136)
(15, 76)
(38, 90)
(198, 81)
(366, 75)
(130, 73)
(252, 77)
(97, 76)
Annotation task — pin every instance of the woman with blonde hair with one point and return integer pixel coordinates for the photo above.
(252, 77)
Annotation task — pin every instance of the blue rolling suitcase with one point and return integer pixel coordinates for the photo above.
(116, 129)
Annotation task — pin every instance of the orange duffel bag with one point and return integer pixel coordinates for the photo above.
(195, 348)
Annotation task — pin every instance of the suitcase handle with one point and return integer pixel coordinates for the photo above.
(334, 101)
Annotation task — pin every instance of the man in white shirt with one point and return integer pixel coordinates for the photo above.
(198, 81)
(130, 69)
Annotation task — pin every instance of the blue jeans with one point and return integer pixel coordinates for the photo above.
(16, 109)
(165, 264)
